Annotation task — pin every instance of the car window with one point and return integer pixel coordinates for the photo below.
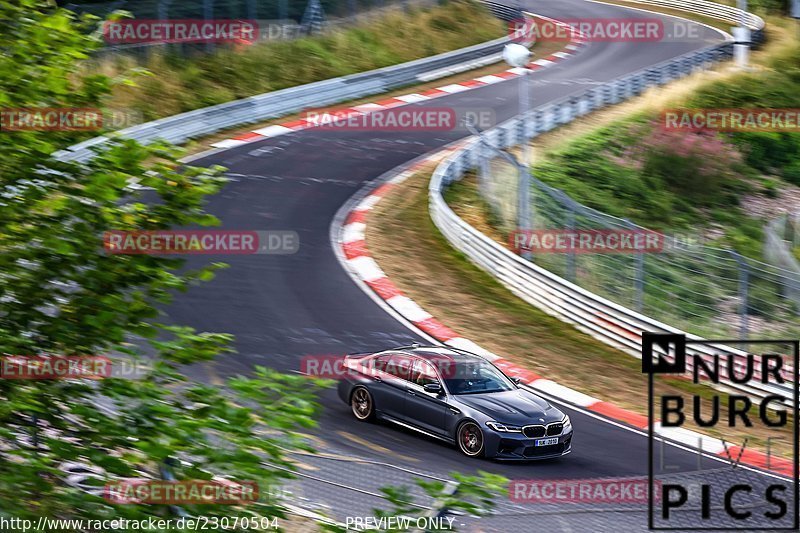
(380, 363)
(400, 366)
(423, 373)
(477, 377)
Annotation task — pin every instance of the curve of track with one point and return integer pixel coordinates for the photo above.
(281, 308)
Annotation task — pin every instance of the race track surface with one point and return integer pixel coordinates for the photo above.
(281, 308)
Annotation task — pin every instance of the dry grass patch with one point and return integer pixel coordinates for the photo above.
(405, 243)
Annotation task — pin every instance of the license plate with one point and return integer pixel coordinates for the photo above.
(546, 442)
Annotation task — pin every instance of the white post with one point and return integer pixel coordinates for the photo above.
(519, 56)
(741, 37)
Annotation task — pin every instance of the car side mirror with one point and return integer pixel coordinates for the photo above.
(433, 388)
(516, 380)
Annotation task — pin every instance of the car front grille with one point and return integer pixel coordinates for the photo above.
(534, 432)
(551, 430)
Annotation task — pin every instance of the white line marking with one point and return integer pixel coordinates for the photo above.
(273, 131)
(229, 143)
(468, 345)
(366, 268)
(570, 395)
(411, 98)
(408, 308)
(490, 79)
(366, 108)
(353, 232)
(453, 88)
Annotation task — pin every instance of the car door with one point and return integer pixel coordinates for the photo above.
(391, 374)
(425, 410)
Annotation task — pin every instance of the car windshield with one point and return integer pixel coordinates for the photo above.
(475, 377)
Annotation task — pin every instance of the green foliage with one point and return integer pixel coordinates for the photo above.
(474, 495)
(181, 84)
(791, 172)
(768, 152)
(655, 178)
(62, 295)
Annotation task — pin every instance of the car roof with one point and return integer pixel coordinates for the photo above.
(433, 352)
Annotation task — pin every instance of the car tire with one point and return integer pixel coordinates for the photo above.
(362, 404)
(469, 437)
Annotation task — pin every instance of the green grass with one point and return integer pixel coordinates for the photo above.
(179, 84)
(631, 169)
(466, 298)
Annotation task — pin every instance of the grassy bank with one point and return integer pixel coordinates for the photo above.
(719, 188)
(631, 167)
(178, 84)
(464, 297)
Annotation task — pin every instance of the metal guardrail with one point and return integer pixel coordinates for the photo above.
(722, 12)
(181, 128)
(604, 320)
(502, 11)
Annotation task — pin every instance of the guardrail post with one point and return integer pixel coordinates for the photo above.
(208, 14)
(570, 223)
(568, 111)
(744, 286)
(599, 97)
(639, 282)
(483, 170)
(664, 73)
(163, 9)
(638, 278)
(524, 203)
(538, 122)
(619, 87)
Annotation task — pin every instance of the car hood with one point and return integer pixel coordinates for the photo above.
(517, 407)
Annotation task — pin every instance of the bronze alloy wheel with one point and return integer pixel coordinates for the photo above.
(361, 403)
(470, 439)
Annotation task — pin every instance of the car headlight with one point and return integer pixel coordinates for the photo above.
(567, 424)
(504, 428)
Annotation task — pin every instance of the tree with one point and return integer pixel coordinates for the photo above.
(62, 295)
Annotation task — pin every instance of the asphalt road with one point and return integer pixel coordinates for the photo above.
(281, 308)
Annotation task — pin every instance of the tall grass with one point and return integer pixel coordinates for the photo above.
(179, 84)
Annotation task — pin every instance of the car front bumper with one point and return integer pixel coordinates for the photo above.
(518, 447)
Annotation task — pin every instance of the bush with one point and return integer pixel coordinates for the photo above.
(186, 83)
(698, 166)
(791, 172)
